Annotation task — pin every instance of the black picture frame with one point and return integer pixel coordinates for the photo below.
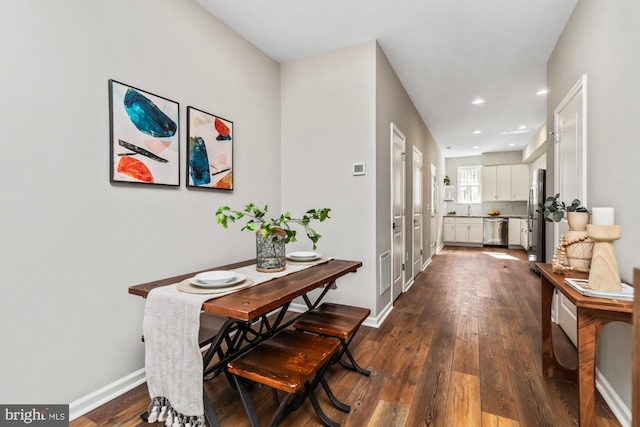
(209, 151)
(144, 137)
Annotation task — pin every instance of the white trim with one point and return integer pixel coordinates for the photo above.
(376, 322)
(408, 285)
(428, 261)
(403, 202)
(617, 406)
(580, 88)
(107, 393)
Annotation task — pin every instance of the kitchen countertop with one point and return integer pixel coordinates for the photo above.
(486, 216)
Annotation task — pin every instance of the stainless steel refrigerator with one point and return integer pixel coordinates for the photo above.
(535, 221)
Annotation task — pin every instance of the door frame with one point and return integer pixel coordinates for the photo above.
(395, 293)
(563, 311)
(579, 89)
(418, 194)
(434, 211)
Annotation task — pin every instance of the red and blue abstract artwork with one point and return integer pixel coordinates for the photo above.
(210, 150)
(145, 145)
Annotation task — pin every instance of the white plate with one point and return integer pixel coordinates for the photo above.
(238, 278)
(303, 256)
(217, 276)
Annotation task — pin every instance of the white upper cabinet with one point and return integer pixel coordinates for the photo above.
(520, 182)
(496, 183)
(505, 183)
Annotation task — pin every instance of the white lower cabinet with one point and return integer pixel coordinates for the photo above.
(463, 230)
(449, 234)
(524, 233)
(514, 231)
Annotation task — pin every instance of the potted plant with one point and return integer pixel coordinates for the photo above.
(447, 181)
(553, 210)
(272, 234)
(574, 244)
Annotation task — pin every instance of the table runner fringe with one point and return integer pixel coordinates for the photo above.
(160, 410)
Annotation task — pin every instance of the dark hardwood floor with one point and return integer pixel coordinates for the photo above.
(460, 348)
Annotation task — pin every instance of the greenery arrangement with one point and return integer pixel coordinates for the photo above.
(553, 210)
(257, 220)
(447, 180)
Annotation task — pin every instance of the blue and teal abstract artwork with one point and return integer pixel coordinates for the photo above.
(199, 161)
(147, 117)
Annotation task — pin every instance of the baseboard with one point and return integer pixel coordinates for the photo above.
(619, 409)
(408, 285)
(106, 394)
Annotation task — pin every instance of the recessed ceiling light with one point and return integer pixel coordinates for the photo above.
(478, 101)
(512, 144)
(522, 127)
(476, 147)
(476, 132)
(520, 131)
(541, 92)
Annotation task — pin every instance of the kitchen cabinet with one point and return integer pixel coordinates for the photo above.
(469, 230)
(462, 230)
(524, 233)
(449, 234)
(505, 183)
(514, 231)
(496, 183)
(520, 182)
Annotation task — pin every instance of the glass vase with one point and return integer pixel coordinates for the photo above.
(270, 252)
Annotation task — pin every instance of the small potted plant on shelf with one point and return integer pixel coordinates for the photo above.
(272, 234)
(447, 181)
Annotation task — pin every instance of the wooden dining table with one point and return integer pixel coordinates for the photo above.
(254, 314)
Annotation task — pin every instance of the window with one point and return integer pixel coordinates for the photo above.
(469, 190)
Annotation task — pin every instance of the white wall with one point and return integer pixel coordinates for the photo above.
(71, 242)
(600, 40)
(328, 123)
(393, 105)
(336, 110)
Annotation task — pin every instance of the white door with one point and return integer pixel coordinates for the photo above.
(570, 178)
(435, 203)
(417, 211)
(398, 143)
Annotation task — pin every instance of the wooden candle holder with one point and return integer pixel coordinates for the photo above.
(604, 275)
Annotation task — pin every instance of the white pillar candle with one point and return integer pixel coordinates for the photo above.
(602, 216)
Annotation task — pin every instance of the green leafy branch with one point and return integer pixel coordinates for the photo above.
(553, 210)
(256, 219)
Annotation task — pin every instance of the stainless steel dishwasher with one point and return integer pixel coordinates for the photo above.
(496, 232)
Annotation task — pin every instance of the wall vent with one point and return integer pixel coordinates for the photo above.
(385, 272)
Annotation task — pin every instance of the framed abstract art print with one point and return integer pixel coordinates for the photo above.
(144, 136)
(209, 150)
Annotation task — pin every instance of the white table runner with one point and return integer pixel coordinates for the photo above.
(173, 360)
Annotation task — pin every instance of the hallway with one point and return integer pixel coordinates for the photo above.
(460, 348)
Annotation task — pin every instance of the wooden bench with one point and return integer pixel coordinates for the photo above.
(337, 321)
(293, 362)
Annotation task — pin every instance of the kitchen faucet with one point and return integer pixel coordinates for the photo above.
(469, 210)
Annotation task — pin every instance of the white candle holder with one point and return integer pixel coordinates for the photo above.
(604, 275)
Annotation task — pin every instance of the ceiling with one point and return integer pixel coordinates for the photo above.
(447, 53)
